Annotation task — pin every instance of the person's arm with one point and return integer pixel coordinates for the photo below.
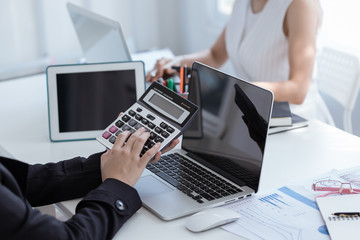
(97, 215)
(215, 57)
(101, 212)
(301, 24)
(56, 182)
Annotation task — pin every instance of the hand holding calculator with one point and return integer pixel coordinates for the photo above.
(160, 111)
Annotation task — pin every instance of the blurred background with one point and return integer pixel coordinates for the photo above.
(36, 33)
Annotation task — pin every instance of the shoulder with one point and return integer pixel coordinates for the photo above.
(304, 12)
(304, 7)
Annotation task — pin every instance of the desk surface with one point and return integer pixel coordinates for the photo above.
(290, 157)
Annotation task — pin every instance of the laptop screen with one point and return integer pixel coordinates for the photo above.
(229, 133)
(101, 39)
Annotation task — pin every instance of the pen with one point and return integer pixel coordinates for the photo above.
(182, 76)
(169, 64)
(347, 214)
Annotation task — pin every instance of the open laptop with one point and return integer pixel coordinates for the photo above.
(222, 151)
(101, 38)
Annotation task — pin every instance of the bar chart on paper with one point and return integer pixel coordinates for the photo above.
(282, 214)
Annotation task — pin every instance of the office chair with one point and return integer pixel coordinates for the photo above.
(338, 77)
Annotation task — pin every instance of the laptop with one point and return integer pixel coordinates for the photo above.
(101, 38)
(222, 151)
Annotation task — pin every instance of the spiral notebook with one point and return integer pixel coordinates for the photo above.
(340, 227)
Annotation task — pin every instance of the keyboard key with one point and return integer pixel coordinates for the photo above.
(106, 135)
(125, 118)
(151, 144)
(112, 139)
(132, 122)
(132, 113)
(151, 125)
(165, 134)
(170, 129)
(158, 139)
(163, 125)
(151, 117)
(119, 123)
(138, 117)
(138, 125)
(126, 128)
(153, 135)
(144, 121)
(113, 129)
(158, 130)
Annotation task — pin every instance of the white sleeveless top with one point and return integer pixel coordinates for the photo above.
(259, 50)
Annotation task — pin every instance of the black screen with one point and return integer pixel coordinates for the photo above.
(230, 132)
(92, 100)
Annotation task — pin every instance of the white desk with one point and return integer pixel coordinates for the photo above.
(290, 156)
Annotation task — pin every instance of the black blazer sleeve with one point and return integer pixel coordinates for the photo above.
(98, 216)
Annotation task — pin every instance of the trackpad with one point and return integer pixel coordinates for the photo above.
(149, 186)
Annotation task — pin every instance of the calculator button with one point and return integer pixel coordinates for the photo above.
(112, 139)
(139, 109)
(158, 130)
(170, 129)
(151, 117)
(151, 144)
(165, 134)
(113, 129)
(117, 133)
(152, 135)
(106, 135)
(163, 125)
(132, 113)
(119, 123)
(145, 121)
(138, 117)
(126, 128)
(137, 126)
(159, 139)
(143, 151)
(125, 118)
(132, 122)
(151, 125)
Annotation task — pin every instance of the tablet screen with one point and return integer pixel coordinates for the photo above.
(91, 100)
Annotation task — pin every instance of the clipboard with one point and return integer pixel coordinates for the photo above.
(340, 228)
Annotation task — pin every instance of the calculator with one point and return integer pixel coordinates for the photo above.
(161, 111)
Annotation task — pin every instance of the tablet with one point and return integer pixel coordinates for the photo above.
(84, 98)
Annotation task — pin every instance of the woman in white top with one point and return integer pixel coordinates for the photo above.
(271, 43)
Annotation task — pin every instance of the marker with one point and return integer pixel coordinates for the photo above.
(169, 64)
(170, 84)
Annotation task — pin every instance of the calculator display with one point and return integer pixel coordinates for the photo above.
(166, 105)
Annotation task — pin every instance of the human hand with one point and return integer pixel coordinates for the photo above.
(124, 163)
(160, 70)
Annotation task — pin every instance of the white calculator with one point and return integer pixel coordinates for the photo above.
(161, 111)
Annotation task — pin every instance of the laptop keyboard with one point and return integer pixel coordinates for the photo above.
(192, 179)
